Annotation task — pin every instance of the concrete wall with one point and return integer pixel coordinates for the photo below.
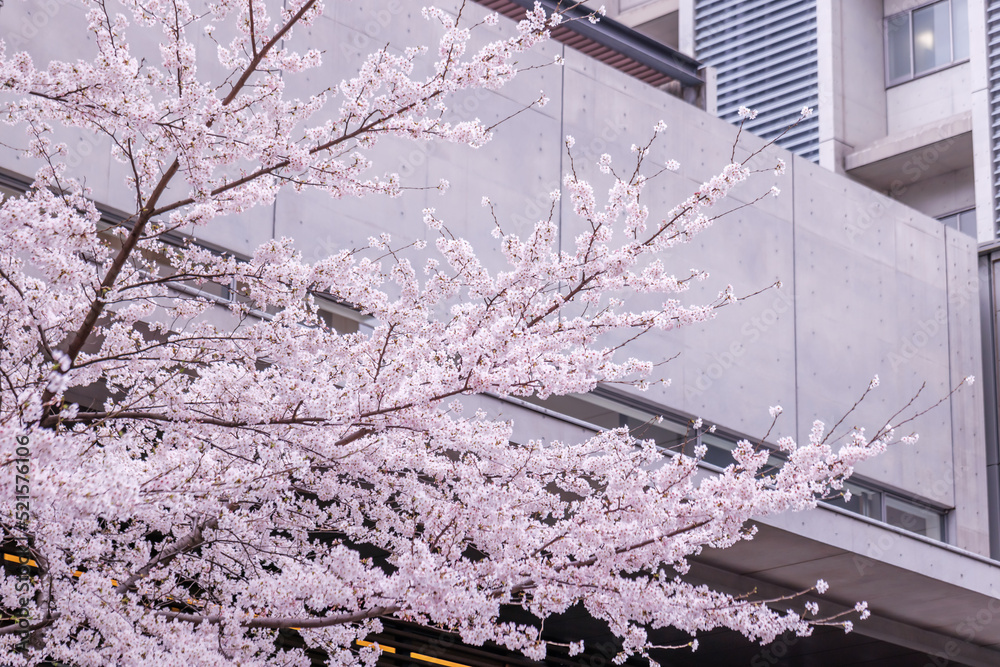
(942, 195)
(851, 77)
(929, 98)
(869, 285)
(982, 132)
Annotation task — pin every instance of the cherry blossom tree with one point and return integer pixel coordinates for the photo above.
(231, 482)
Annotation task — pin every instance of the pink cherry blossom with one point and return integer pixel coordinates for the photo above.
(244, 468)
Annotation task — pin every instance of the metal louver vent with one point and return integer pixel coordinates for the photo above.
(764, 52)
(993, 58)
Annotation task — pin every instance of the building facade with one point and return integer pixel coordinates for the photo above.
(883, 240)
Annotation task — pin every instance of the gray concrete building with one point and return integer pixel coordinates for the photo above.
(884, 239)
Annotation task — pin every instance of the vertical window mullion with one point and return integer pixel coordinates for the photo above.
(913, 51)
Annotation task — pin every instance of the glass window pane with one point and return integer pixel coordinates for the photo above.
(898, 47)
(931, 37)
(950, 221)
(866, 502)
(665, 434)
(914, 518)
(573, 406)
(8, 192)
(719, 450)
(960, 28)
(967, 222)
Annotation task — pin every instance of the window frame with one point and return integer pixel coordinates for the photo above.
(912, 76)
(957, 215)
(723, 441)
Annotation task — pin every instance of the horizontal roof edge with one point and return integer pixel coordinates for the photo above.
(620, 39)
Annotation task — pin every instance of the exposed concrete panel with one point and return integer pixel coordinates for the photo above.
(941, 195)
(663, 29)
(721, 363)
(930, 98)
(634, 12)
(861, 61)
(969, 457)
(895, 6)
(947, 136)
(851, 79)
(847, 214)
(986, 228)
(905, 577)
(867, 275)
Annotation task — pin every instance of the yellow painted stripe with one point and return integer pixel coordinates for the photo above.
(386, 649)
(437, 661)
(15, 559)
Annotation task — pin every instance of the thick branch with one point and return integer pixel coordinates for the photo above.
(252, 67)
(265, 171)
(148, 208)
(38, 625)
(530, 583)
(97, 306)
(90, 417)
(191, 541)
(259, 622)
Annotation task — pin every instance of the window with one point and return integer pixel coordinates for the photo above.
(926, 39)
(602, 409)
(864, 500)
(914, 518)
(884, 506)
(963, 221)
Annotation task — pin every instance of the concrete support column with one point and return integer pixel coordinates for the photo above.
(828, 46)
(685, 28)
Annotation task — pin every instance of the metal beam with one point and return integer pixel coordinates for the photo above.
(626, 41)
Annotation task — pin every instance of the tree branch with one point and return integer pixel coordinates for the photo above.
(283, 623)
